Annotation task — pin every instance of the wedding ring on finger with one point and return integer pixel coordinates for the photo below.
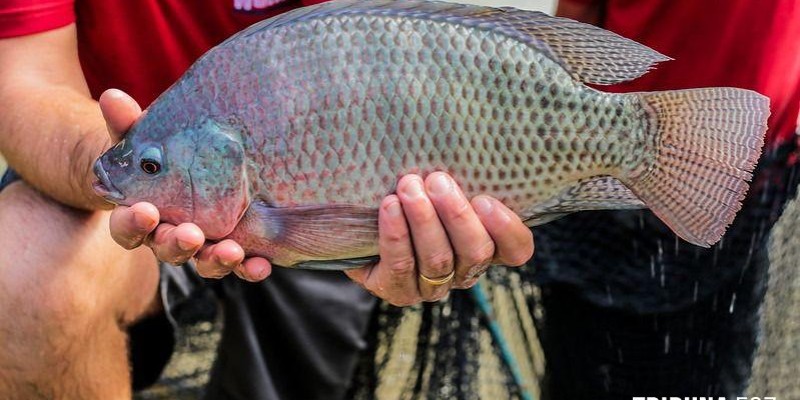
(438, 281)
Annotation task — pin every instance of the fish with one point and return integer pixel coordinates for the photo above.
(286, 136)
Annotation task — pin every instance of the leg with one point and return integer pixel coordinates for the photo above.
(67, 293)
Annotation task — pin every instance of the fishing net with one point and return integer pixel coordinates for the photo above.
(446, 351)
(630, 310)
(775, 366)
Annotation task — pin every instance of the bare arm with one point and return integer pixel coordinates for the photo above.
(51, 130)
(590, 12)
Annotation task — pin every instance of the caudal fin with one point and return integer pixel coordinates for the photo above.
(707, 144)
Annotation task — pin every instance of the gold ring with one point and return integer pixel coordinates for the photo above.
(440, 281)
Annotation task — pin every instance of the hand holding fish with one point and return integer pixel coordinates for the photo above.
(432, 239)
(427, 230)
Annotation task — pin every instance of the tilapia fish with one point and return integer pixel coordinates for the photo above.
(287, 136)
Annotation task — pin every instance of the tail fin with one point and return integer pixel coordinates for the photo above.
(707, 144)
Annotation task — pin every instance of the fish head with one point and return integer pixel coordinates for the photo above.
(195, 175)
(143, 168)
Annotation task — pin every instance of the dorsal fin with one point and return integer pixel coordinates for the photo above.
(592, 54)
(589, 53)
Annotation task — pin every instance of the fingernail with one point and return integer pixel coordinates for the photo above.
(216, 259)
(227, 263)
(393, 209)
(261, 272)
(143, 220)
(184, 245)
(470, 282)
(477, 271)
(440, 185)
(115, 93)
(414, 188)
(483, 205)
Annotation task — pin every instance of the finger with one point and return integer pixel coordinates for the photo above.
(130, 225)
(472, 245)
(431, 246)
(360, 275)
(513, 240)
(120, 112)
(394, 278)
(363, 277)
(255, 269)
(219, 259)
(176, 244)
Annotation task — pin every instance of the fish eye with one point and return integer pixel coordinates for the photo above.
(150, 166)
(150, 160)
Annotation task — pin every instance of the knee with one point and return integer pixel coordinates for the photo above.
(46, 300)
(44, 317)
(59, 268)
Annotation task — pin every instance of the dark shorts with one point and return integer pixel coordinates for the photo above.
(297, 335)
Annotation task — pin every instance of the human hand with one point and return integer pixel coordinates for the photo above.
(432, 239)
(139, 224)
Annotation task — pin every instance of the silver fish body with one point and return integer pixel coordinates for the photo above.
(331, 104)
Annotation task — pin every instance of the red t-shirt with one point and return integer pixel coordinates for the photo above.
(143, 46)
(139, 46)
(751, 44)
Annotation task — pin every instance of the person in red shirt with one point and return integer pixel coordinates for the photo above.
(69, 294)
(629, 309)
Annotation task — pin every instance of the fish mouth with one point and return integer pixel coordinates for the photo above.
(103, 186)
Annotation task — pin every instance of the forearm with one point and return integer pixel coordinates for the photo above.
(50, 129)
(51, 139)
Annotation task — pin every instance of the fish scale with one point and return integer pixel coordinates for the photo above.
(287, 136)
(470, 104)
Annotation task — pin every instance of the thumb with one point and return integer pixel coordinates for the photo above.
(120, 111)
(359, 275)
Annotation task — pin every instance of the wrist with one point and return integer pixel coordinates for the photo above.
(83, 158)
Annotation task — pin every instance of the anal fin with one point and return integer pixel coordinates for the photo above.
(595, 193)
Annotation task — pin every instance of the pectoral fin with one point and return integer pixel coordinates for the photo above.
(596, 193)
(314, 237)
